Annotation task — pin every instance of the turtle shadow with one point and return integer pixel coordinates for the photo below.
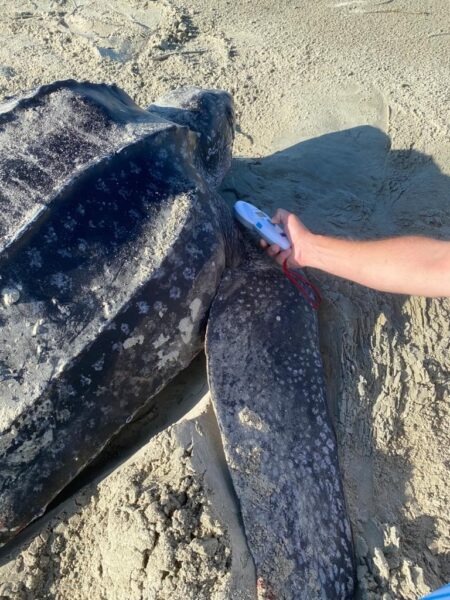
(352, 184)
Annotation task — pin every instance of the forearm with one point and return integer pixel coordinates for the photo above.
(405, 265)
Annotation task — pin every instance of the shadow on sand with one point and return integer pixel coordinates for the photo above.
(352, 184)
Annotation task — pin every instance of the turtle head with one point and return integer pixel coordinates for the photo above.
(210, 114)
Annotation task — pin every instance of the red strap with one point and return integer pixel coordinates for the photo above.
(309, 291)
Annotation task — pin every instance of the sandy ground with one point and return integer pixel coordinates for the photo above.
(343, 113)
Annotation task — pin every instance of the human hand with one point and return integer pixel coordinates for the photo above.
(298, 236)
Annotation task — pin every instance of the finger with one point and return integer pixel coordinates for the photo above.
(282, 256)
(273, 250)
(263, 243)
(281, 216)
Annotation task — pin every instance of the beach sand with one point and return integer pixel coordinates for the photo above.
(343, 117)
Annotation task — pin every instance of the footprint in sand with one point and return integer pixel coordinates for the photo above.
(361, 6)
(118, 29)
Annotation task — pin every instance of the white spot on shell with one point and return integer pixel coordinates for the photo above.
(10, 295)
(160, 341)
(189, 273)
(35, 258)
(60, 280)
(98, 366)
(37, 327)
(160, 307)
(195, 307)
(251, 419)
(165, 358)
(186, 326)
(133, 341)
(106, 309)
(143, 308)
(85, 380)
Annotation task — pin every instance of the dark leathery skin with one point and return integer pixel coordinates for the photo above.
(266, 381)
(107, 273)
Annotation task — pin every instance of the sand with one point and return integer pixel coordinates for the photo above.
(343, 117)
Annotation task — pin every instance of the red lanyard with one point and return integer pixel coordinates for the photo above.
(309, 291)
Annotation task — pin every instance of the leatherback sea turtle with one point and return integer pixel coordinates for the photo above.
(115, 251)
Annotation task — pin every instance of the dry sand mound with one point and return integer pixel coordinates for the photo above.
(161, 525)
(343, 117)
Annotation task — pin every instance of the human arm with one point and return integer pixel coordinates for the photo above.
(405, 265)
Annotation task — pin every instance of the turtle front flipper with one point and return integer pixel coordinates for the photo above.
(267, 385)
